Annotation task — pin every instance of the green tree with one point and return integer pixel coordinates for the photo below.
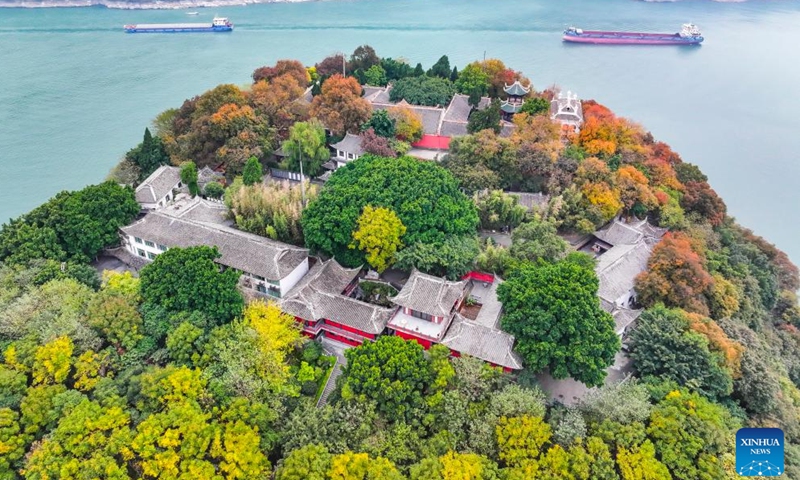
(115, 317)
(213, 190)
(486, 119)
(253, 171)
(423, 90)
(392, 372)
(691, 435)
(12, 443)
(70, 226)
(497, 210)
(664, 345)
(537, 239)
(310, 462)
(441, 68)
(189, 177)
(381, 123)
(148, 155)
(495, 259)
(535, 106)
(554, 312)
(379, 232)
(483, 161)
(423, 195)
(189, 279)
(307, 144)
(471, 78)
(184, 344)
(375, 75)
(452, 258)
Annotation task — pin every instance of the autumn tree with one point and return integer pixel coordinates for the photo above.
(408, 123)
(375, 144)
(363, 58)
(378, 234)
(115, 316)
(392, 372)
(676, 275)
(253, 171)
(700, 198)
(189, 279)
(340, 106)
(520, 439)
(554, 313)
(292, 68)
(634, 190)
(332, 65)
(277, 101)
(310, 462)
(307, 144)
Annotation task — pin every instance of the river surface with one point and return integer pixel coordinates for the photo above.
(76, 92)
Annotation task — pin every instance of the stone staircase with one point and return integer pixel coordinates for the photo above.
(337, 350)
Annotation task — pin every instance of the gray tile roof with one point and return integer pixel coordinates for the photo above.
(623, 318)
(531, 200)
(350, 144)
(199, 210)
(453, 129)
(489, 344)
(206, 175)
(619, 233)
(459, 108)
(158, 184)
(617, 269)
(240, 250)
(428, 294)
(489, 314)
(318, 296)
(517, 89)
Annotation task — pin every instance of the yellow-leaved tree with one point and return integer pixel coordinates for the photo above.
(277, 334)
(53, 361)
(378, 234)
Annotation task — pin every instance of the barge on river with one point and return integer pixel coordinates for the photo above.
(689, 35)
(219, 24)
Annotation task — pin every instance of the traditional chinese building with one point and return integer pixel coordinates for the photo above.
(464, 316)
(515, 97)
(622, 250)
(266, 266)
(322, 302)
(159, 188)
(567, 110)
(347, 150)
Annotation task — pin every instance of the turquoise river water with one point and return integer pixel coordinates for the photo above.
(76, 92)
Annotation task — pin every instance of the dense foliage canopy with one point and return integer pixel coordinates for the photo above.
(424, 196)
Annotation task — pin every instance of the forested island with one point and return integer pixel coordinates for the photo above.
(465, 200)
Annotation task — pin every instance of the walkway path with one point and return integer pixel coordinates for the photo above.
(337, 350)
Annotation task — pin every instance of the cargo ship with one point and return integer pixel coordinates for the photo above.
(689, 35)
(219, 24)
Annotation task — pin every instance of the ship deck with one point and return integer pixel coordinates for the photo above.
(155, 26)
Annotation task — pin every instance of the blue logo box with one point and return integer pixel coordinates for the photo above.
(759, 452)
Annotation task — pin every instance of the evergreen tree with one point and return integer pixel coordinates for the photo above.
(148, 155)
(441, 68)
(454, 74)
(418, 70)
(189, 177)
(253, 171)
(486, 119)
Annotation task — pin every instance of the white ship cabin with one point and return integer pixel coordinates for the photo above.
(221, 22)
(689, 30)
